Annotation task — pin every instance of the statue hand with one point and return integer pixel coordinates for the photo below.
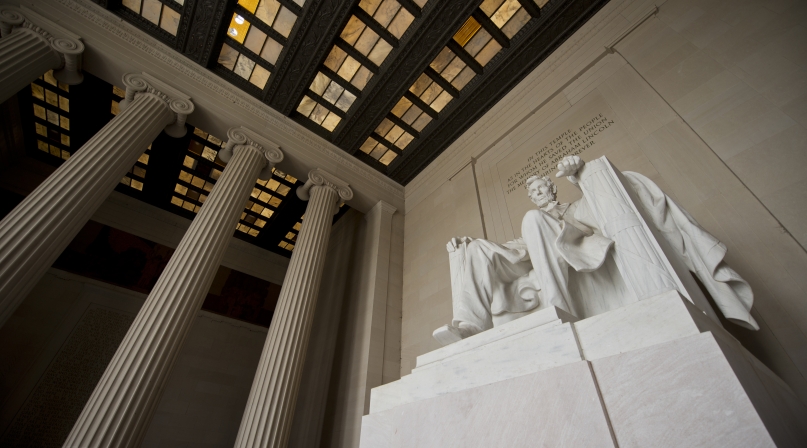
(457, 242)
(569, 166)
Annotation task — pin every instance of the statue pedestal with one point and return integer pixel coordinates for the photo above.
(658, 372)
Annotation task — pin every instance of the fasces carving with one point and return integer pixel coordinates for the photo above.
(496, 283)
(58, 398)
(529, 48)
(571, 142)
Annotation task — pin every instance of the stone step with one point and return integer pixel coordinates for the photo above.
(546, 339)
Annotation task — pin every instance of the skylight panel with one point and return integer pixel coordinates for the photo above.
(136, 176)
(290, 238)
(263, 202)
(257, 33)
(51, 110)
(379, 151)
(472, 47)
(201, 168)
(362, 47)
(162, 13)
(508, 15)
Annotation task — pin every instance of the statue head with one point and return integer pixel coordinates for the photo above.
(541, 190)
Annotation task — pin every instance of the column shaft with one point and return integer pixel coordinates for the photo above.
(122, 404)
(24, 56)
(34, 234)
(270, 408)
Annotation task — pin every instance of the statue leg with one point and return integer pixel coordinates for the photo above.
(490, 270)
(540, 231)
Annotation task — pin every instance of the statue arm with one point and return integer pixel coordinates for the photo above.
(569, 167)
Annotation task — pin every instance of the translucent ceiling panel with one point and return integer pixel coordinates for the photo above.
(201, 168)
(508, 15)
(255, 37)
(159, 13)
(356, 68)
(51, 112)
(263, 202)
(389, 14)
(378, 151)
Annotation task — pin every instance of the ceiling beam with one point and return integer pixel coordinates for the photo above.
(420, 104)
(531, 8)
(539, 38)
(410, 6)
(309, 44)
(403, 125)
(377, 137)
(466, 57)
(356, 54)
(375, 26)
(442, 82)
(491, 28)
(421, 43)
(202, 29)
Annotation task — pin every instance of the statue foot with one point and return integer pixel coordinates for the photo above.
(447, 334)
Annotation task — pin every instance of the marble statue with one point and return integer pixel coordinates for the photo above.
(565, 244)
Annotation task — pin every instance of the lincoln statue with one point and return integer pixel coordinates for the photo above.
(562, 252)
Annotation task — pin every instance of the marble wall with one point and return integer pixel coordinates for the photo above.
(707, 98)
(368, 350)
(207, 390)
(58, 343)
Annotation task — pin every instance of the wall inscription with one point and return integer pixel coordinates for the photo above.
(572, 141)
(589, 128)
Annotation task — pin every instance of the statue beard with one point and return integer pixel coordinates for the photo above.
(543, 200)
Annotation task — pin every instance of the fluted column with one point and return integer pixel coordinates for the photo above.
(270, 408)
(28, 50)
(121, 406)
(34, 234)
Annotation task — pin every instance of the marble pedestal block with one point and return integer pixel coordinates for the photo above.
(658, 372)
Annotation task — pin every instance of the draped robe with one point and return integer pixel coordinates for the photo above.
(562, 242)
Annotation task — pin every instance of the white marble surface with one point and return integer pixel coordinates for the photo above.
(711, 90)
(503, 414)
(662, 318)
(679, 394)
(780, 411)
(537, 349)
(124, 400)
(622, 214)
(546, 316)
(668, 376)
(269, 413)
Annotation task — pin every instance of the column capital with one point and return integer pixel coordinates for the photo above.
(319, 177)
(66, 45)
(385, 207)
(242, 136)
(180, 104)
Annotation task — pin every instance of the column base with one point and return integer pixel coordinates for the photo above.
(658, 372)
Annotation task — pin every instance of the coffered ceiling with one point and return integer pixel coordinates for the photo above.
(391, 82)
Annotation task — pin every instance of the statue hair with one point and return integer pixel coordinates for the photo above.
(546, 180)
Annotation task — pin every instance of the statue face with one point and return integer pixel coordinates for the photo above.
(540, 193)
